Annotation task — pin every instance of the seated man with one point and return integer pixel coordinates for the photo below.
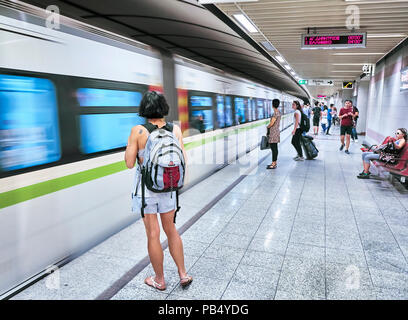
(399, 143)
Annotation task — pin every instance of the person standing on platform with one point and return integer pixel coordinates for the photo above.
(316, 118)
(346, 124)
(297, 132)
(324, 119)
(274, 133)
(154, 107)
(329, 118)
(354, 130)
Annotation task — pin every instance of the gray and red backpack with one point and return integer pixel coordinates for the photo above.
(163, 166)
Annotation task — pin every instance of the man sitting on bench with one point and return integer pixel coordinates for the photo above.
(399, 143)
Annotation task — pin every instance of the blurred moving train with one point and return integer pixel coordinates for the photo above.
(68, 100)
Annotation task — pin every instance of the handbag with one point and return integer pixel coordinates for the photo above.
(388, 153)
(265, 141)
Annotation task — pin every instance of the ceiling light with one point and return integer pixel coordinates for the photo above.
(245, 22)
(374, 1)
(267, 45)
(287, 66)
(223, 1)
(349, 64)
(385, 35)
(280, 59)
(358, 53)
(292, 72)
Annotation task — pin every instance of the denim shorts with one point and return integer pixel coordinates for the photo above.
(159, 203)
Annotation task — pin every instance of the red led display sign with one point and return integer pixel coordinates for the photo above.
(339, 41)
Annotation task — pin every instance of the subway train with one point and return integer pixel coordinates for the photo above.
(68, 100)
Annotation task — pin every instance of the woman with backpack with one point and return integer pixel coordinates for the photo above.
(297, 131)
(274, 133)
(154, 107)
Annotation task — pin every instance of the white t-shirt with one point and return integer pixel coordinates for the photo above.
(294, 118)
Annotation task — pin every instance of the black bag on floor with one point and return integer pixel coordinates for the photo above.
(309, 147)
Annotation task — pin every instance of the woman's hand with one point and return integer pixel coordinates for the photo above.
(293, 132)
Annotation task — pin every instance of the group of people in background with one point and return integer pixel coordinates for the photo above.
(322, 115)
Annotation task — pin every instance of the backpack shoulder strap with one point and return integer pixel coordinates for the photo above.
(169, 126)
(150, 127)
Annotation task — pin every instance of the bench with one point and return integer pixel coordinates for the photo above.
(400, 169)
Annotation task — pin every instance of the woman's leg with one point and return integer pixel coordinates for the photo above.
(274, 147)
(296, 142)
(154, 246)
(175, 242)
(370, 156)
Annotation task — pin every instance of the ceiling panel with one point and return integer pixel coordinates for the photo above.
(182, 27)
(283, 22)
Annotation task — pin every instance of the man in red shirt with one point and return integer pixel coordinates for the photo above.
(346, 125)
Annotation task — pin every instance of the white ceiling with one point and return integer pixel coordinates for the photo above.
(283, 22)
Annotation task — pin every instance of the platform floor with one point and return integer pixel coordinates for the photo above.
(307, 230)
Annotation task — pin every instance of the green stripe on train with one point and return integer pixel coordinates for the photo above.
(13, 197)
(40, 189)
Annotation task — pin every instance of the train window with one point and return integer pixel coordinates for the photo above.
(200, 101)
(228, 111)
(29, 129)
(220, 112)
(207, 117)
(201, 113)
(92, 97)
(106, 130)
(240, 107)
(260, 109)
(100, 132)
(252, 110)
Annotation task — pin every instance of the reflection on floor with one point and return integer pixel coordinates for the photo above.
(307, 230)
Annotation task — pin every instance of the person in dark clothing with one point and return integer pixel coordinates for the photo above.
(317, 112)
(297, 132)
(354, 130)
(198, 123)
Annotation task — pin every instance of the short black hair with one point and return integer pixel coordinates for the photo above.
(153, 106)
(349, 101)
(316, 103)
(275, 103)
(331, 104)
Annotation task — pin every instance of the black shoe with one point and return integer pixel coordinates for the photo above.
(364, 176)
(342, 147)
(363, 173)
(348, 152)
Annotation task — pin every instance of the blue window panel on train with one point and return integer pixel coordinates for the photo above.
(100, 132)
(29, 129)
(220, 112)
(228, 111)
(207, 118)
(201, 101)
(240, 110)
(92, 97)
(253, 110)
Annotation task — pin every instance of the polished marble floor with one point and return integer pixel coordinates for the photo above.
(307, 230)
